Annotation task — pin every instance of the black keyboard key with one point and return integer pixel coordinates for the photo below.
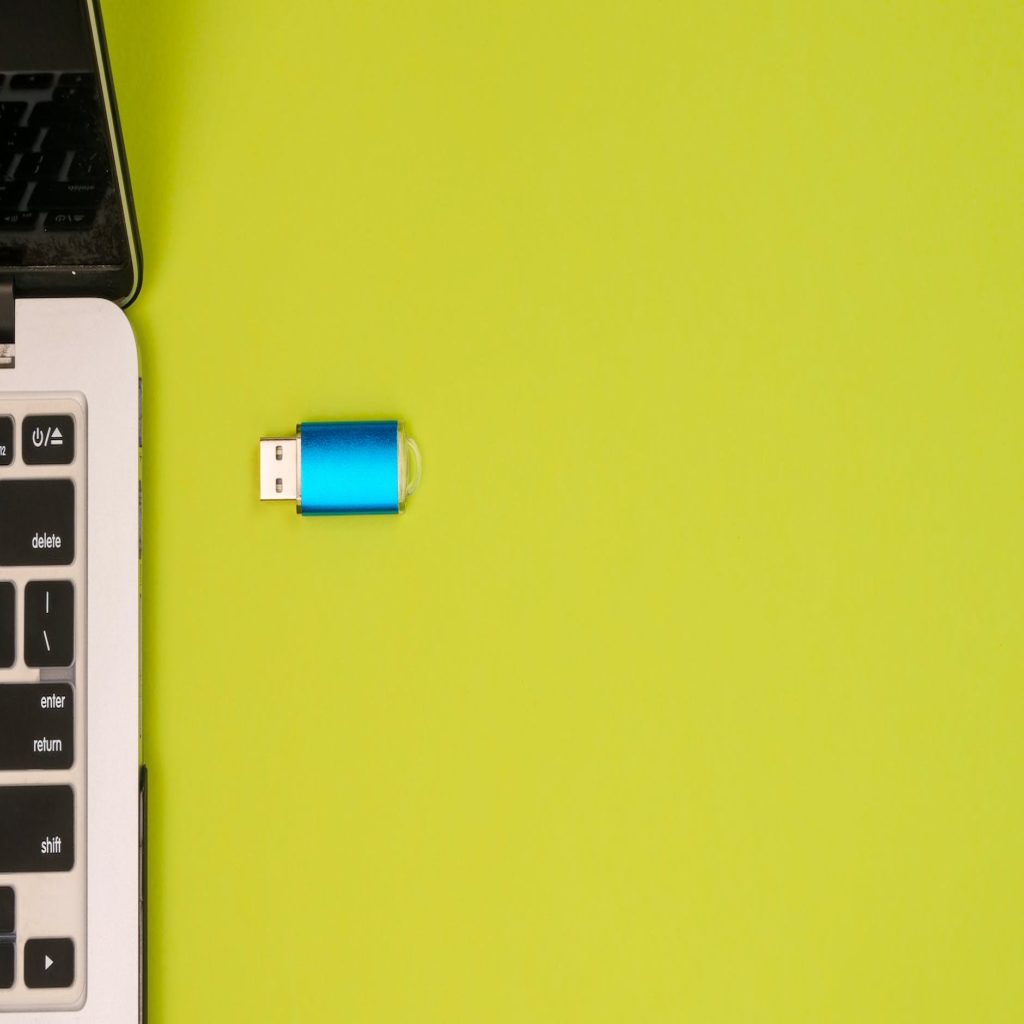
(6, 910)
(6, 964)
(82, 78)
(49, 114)
(6, 440)
(32, 80)
(67, 195)
(65, 137)
(49, 963)
(38, 166)
(18, 220)
(83, 97)
(69, 220)
(12, 113)
(38, 728)
(6, 628)
(48, 440)
(17, 138)
(49, 624)
(37, 829)
(89, 165)
(11, 194)
(37, 522)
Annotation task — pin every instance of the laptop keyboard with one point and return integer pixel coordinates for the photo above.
(54, 169)
(42, 687)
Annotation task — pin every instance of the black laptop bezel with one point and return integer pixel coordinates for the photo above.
(120, 284)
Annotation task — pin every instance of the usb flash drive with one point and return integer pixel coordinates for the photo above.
(347, 468)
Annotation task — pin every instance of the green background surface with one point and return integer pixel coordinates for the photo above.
(689, 687)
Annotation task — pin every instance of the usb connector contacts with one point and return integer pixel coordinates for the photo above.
(344, 468)
(279, 469)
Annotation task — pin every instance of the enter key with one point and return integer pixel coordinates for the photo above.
(37, 726)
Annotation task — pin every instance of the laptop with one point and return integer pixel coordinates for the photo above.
(71, 786)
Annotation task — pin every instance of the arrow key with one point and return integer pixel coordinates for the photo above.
(49, 963)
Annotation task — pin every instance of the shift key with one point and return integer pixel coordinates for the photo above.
(37, 522)
(37, 726)
(37, 829)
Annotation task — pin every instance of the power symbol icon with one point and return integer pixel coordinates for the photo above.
(47, 440)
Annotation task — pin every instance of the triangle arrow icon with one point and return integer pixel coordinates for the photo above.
(47, 963)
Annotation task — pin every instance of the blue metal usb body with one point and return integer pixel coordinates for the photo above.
(361, 467)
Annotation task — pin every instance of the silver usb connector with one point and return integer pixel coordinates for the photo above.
(279, 469)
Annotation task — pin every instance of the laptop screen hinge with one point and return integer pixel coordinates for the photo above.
(6, 323)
